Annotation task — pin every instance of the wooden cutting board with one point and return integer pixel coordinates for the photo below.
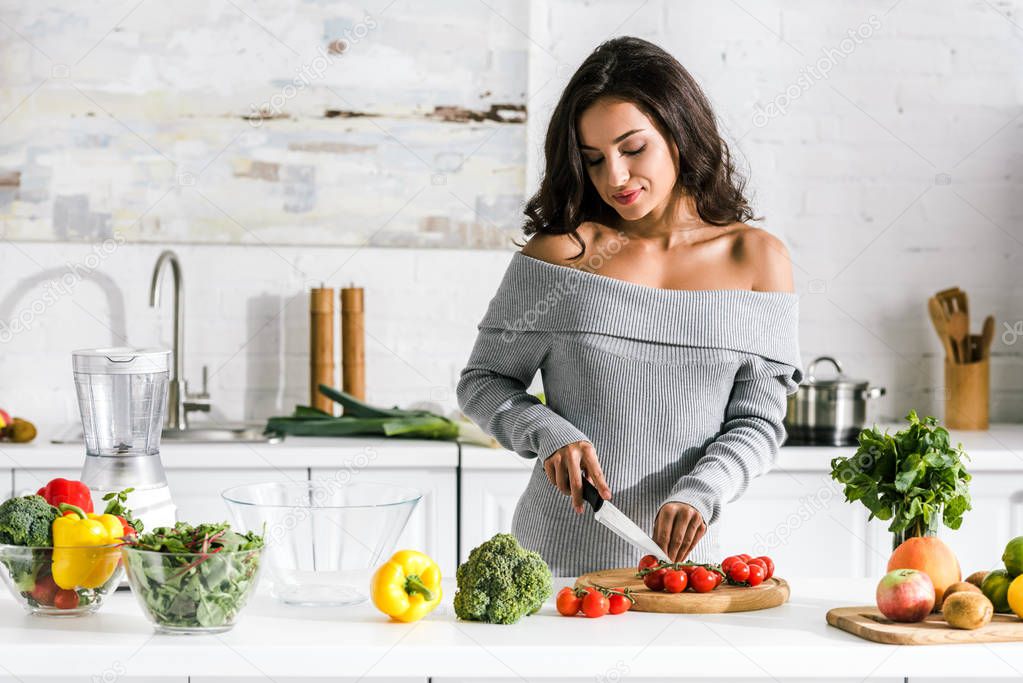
(724, 598)
(869, 623)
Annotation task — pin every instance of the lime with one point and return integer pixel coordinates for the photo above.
(1013, 557)
(1015, 596)
(996, 588)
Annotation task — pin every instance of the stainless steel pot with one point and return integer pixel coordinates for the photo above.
(828, 412)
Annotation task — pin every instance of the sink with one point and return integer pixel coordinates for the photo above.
(229, 433)
(219, 434)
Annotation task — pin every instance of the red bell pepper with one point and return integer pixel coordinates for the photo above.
(67, 491)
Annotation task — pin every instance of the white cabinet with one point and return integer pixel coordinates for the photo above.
(108, 676)
(489, 496)
(797, 516)
(31, 480)
(277, 679)
(196, 493)
(6, 484)
(431, 527)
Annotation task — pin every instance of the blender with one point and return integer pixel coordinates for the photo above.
(122, 396)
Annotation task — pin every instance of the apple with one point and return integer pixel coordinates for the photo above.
(5, 419)
(905, 595)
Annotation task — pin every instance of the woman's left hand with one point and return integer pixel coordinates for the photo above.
(677, 529)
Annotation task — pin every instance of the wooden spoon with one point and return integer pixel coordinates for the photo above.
(987, 335)
(954, 300)
(958, 330)
(940, 323)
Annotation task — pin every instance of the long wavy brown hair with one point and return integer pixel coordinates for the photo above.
(637, 71)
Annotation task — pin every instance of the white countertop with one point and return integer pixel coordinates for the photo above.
(274, 640)
(999, 448)
(290, 452)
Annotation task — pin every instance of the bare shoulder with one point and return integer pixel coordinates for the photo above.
(561, 250)
(768, 259)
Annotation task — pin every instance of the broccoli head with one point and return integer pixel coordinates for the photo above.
(27, 521)
(501, 582)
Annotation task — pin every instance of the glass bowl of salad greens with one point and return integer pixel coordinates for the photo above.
(67, 581)
(193, 579)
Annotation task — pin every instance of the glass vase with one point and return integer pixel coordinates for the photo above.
(918, 528)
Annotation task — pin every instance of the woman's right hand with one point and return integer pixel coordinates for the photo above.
(567, 466)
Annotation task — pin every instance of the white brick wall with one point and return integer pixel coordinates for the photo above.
(851, 177)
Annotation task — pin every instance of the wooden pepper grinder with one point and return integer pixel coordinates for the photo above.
(321, 346)
(353, 342)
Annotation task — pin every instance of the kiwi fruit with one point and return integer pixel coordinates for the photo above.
(976, 578)
(967, 610)
(959, 587)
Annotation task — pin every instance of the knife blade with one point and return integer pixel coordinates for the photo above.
(619, 523)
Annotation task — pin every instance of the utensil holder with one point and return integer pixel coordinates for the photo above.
(967, 394)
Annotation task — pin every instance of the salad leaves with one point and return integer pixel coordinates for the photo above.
(194, 577)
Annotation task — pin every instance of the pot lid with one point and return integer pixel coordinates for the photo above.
(839, 381)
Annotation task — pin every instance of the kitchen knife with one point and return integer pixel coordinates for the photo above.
(623, 527)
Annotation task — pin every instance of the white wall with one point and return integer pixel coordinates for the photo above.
(892, 177)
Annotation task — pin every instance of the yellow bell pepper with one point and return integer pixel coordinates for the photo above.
(77, 561)
(406, 587)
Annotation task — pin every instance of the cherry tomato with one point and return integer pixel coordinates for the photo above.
(618, 604)
(655, 580)
(675, 581)
(44, 590)
(568, 602)
(770, 566)
(760, 563)
(744, 557)
(595, 605)
(688, 568)
(701, 580)
(65, 599)
(718, 579)
(756, 575)
(738, 572)
(728, 562)
(648, 561)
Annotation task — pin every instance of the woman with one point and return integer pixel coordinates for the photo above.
(664, 327)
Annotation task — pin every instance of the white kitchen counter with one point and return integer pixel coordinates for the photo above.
(272, 640)
(999, 448)
(291, 452)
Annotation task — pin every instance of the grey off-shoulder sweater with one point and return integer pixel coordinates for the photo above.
(681, 392)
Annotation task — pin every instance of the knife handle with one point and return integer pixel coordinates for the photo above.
(591, 495)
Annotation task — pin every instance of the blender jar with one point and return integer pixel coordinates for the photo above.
(122, 397)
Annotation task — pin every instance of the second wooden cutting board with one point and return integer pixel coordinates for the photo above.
(724, 598)
(868, 623)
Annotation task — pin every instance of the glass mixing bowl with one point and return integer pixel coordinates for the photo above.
(323, 538)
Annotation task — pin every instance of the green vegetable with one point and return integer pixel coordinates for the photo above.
(501, 582)
(362, 418)
(26, 521)
(202, 577)
(909, 477)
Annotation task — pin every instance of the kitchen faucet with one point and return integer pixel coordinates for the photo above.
(179, 401)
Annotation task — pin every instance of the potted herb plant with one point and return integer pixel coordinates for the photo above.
(915, 478)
